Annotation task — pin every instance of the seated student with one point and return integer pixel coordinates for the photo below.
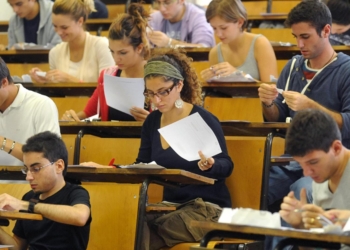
(64, 206)
(340, 10)
(179, 23)
(175, 91)
(23, 113)
(130, 49)
(31, 23)
(101, 10)
(314, 140)
(238, 51)
(81, 56)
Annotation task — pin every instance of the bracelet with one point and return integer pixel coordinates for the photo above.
(3, 144)
(268, 106)
(12, 147)
(169, 43)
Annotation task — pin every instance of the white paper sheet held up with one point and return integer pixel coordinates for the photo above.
(123, 93)
(190, 135)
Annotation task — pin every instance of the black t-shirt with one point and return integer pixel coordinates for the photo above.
(31, 29)
(47, 234)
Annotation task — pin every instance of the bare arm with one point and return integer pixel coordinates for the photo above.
(17, 242)
(17, 149)
(266, 59)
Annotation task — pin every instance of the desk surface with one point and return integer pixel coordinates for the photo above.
(133, 129)
(241, 89)
(19, 216)
(176, 177)
(344, 239)
(62, 89)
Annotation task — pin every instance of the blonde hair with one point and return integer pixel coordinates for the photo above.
(132, 26)
(75, 8)
(229, 10)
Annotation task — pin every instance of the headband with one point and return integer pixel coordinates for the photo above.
(162, 68)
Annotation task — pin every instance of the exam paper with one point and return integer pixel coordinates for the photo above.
(123, 93)
(190, 135)
(151, 165)
(234, 77)
(32, 46)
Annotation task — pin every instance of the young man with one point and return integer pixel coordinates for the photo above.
(64, 206)
(314, 140)
(180, 23)
(340, 10)
(23, 113)
(319, 78)
(31, 23)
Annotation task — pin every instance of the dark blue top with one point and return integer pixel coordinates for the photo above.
(101, 10)
(151, 150)
(31, 28)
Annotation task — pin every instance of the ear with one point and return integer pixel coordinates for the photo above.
(240, 23)
(179, 86)
(4, 83)
(337, 147)
(139, 48)
(81, 21)
(59, 166)
(181, 1)
(326, 31)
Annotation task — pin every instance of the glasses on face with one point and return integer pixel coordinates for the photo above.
(159, 94)
(35, 170)
(166, 4)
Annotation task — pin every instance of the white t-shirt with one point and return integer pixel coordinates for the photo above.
(29, 114)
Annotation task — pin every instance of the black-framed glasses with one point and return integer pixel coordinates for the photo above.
(35, 170)
(159, 94)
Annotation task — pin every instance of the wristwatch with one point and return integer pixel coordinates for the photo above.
(32, 203)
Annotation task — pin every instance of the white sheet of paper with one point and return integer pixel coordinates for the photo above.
(190, 135)
(234, 77)
(123, 93)
(347, 226)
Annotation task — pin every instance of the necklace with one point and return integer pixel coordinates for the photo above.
(330, 59)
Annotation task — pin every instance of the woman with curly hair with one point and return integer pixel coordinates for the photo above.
(174, 90)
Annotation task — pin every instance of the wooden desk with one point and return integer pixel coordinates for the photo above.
(232, 89)
(62, 89)
(19, 215)
(168, 177)
(25, 56)
(250, 232)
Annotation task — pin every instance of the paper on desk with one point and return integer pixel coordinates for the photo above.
(250, 217)
(190, 135)
(123, 93)
(151, 165)
(32, 46)
(234, 77)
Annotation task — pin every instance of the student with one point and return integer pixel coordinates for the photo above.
(31, 23)
(64, 206)
(340, 10)
(238, 51)
(23, 113)
(318, 78)
(175, 91)
(101, 10)
(130, 49)
(179, 23)
(314, 140)
(81, 56)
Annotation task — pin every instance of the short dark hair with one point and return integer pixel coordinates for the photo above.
(314, 12)
(4, 72)
(310, 130)
(340, 10)
(50, 144)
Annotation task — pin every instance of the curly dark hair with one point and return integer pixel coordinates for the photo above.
(191, 91)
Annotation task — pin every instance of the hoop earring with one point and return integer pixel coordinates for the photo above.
(179, 103)
(153, 107)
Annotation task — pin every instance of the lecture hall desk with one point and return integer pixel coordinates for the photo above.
(129, 210)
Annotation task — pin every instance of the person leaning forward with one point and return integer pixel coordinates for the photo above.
(64, 206)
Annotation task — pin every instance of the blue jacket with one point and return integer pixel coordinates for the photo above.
(330, 88)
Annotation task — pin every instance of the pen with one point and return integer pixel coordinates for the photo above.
(111, 162)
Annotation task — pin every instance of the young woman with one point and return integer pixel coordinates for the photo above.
(81, 56)
(130, 48)
(238, 51)
(173, 88)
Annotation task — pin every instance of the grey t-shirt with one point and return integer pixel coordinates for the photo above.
(173, 30)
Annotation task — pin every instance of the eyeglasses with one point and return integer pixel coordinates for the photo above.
(166, 4)
(35, 170)
(160, 94)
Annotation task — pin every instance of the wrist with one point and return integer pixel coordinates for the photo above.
(268, 105)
